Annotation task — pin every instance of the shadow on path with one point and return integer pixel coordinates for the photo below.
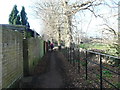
(51, 76)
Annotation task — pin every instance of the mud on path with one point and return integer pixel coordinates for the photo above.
(49, 73)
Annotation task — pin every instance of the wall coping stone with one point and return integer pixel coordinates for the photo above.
(12, 27)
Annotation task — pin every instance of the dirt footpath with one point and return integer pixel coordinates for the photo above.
(49, 73)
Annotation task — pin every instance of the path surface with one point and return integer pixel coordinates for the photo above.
(51, 77)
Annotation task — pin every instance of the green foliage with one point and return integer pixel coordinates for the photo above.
(24, 18)
(117, 84)
(76, 60)
(84, 46)
(13, 15)
(83, 63)
(17, 20)
(28, 25)
(94, 46)
(107, 74)
(109, 49)
(117, 47)
(27, 34)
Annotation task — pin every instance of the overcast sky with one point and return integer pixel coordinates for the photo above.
(89, 25)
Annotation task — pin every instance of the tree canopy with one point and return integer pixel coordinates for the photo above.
(23, 15)
(13, 16)
(67, 19)
(17, 18)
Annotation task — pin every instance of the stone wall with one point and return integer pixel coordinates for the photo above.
(42, 48)
(18, 56)
(33, 52)
(11, 55)
(1, 56)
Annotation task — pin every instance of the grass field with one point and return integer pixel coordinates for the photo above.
(99, 46)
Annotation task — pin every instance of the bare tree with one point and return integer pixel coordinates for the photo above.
(50, 13)
(58, 15)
